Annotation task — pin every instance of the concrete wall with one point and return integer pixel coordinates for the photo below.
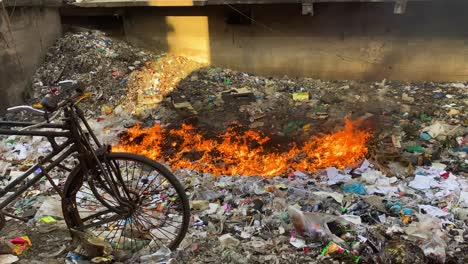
(23, 44)
(341, 41)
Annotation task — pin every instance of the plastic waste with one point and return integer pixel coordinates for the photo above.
(394, 206)
(47, 219)
(461, 214)
(354, 187)
(439, 128)
(301, 96)
(435, 247)
(428, 230)
(20, 244)
(463, 200)
(338, 197)
(8, 259)
(461, 149)
(299, 192)
(199, 204)
(420, 182)
(75, 258)
(209, 195)
(315, 224)
(163, 254)
(415, 148)
(425, 118)
(297, 242)
(425, 136)
(54, 253)
(213, 207)
(103, 260)
(334, 176)
(227, 240)
(51, 206)
(432, 210)
(365, 165)
(332, 247)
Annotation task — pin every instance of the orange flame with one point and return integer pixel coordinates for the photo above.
(244, 153)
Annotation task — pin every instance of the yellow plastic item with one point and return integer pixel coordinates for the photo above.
(47, 219)
(303, 96)
(38, 106)
(84, 97)
(406, 219)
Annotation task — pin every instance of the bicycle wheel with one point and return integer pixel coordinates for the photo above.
(142, 206)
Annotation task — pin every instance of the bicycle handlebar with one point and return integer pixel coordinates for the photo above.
(53, 103)
(25, 107)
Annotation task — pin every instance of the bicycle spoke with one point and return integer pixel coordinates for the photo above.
(113, 218)
(139, 175)
(149, 184)
(132, 236)
(126, 168)
(142, 232)
(157, 228)
(150, 234)
(133, 176)
(101, 197)
(107, 228)
(160, 219)
(96, 215)
(116, 167)
(115, 233)
(129, 204)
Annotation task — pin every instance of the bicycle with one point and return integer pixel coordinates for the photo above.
(128, 200)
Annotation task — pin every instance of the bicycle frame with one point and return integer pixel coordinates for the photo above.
(70, 129)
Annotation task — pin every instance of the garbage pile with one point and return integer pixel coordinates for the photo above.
(101, 64)
(353, 215)
(408, 201)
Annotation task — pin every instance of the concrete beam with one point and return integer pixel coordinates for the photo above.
(400, 7)
(308, 8)
(50, 3)
(121, 3)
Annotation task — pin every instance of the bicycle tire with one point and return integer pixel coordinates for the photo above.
(77, 183)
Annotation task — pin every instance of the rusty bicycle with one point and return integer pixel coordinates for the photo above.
(130, 201)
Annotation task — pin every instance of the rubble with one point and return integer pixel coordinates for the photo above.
(406, 202)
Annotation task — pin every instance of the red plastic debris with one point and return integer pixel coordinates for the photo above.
(445, 175)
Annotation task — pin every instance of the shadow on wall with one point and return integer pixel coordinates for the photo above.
(23, 43)
(341, 41)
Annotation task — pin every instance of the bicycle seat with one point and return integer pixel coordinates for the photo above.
(66, 88)
(49, 103)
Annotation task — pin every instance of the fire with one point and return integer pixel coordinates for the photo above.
(244, 153)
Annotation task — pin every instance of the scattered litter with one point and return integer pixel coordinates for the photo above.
(354, 187)
(227, 240)
(163, 254)
(53, 254)
(47, 219)
(334, 176)
(20, 244)
(297, 242)
(434, 211)
(8, 258)
(302, 96)
(411, 183)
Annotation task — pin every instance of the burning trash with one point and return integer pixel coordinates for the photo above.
(244, 153)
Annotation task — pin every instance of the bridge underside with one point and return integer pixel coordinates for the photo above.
(307, 5)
